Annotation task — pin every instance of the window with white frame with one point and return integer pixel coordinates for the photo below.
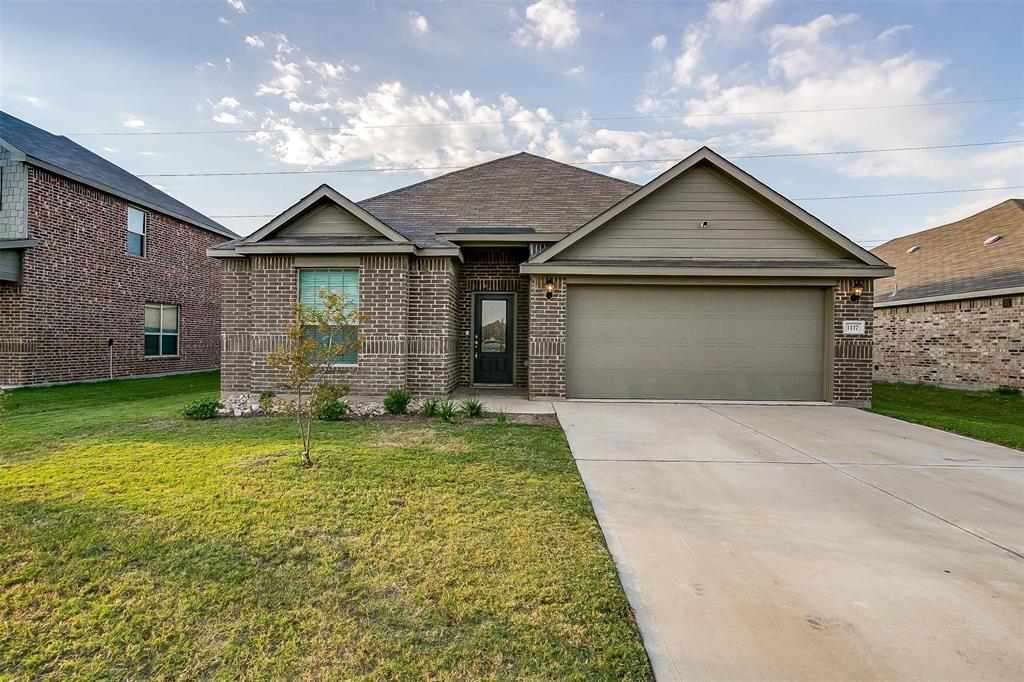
(161, 330)
(344, 281)
(136, 231)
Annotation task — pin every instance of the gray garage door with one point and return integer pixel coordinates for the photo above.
(707, 343)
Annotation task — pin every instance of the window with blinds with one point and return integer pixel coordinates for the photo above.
(342, 281)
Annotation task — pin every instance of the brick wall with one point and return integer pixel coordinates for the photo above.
(851, 355)
(494, 270)
(547, 339)
(977, 343)
(80, 288)
(409, 339)
(434, 290)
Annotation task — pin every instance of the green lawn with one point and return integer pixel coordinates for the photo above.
(135, 544)
(985, 415)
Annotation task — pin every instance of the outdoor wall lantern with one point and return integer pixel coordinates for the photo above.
(549, 288)
(858, 289)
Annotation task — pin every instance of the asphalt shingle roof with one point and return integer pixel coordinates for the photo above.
(63, 155)
(518, 191)
(953, 259)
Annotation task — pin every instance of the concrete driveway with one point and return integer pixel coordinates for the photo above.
(784, 542)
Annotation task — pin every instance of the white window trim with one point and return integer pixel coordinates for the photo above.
(161, 334)
(144, 234)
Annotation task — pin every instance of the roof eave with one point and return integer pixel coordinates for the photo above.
(959, 296)
(704, 270)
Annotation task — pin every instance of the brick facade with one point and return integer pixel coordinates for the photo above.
(409, 338)
(976, 343)
(494, 270)
(80, 288)
(851, 355)
(547, 339)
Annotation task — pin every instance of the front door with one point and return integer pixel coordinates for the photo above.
(493, 360)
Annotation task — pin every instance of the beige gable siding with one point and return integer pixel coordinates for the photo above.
(328, 220)
(666, 225)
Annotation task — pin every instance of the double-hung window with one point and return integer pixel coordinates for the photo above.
(161, 330)
(136, 231)
(344, 281)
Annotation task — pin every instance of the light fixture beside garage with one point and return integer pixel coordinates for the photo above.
(549, 288)
(858, 289)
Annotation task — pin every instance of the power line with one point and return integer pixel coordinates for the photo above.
(841, 196)
(131, 133)
(577, 163)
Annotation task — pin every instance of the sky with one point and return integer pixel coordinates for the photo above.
(621, 88)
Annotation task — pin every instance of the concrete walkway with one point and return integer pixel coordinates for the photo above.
(808, 542)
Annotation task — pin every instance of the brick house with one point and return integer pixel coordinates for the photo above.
(530, 274)
(101, 274)
(953, 314)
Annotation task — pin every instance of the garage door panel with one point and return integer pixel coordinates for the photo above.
(732, 343)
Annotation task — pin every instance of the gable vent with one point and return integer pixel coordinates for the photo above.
(914, 249)
(992, 240)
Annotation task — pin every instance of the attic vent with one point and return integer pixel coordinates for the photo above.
(992, 240)
(914, 249)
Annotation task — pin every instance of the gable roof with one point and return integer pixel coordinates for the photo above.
(518, 191)
(64, 157)
(317, 196)
(707, 156)
(953, 261)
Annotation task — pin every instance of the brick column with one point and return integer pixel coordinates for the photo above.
(547, 339)
(273, 289)
(235, 326)
(851, 357)
(433, 324)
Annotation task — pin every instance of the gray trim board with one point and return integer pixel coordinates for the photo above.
(18, 243)
(705, 270)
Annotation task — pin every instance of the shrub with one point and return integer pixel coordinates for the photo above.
(267, 401)
(1008, 390)
(447, 411)
(430, 407)
(202, 408)
(502, 417)
(472, 407)
(397, 400)
(332, 412)
(326, 402)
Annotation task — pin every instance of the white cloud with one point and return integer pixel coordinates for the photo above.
(148, 154)
(228, 64)
(225, 117)
(224, 22)
(255, 41)
(418, 22)
(287, 83)
(129, 121)
(109, 149)
(810, 33)
(689, 59)
(33, 100)
(659, 42)
(549, 23)
(238, 6)
(737, 11)
(890, 33)
(228, 103)
(574, 70)
(968, 208)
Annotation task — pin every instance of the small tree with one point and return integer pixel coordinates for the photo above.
(320, 333)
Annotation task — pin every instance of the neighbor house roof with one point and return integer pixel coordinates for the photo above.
(67, 158)
(518, 191)
(954, 262)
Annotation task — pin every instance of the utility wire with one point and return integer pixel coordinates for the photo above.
(130, 133)
(575, 163)
(842, 196)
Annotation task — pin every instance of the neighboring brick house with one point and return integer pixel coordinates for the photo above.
(535, 275)
(101, 274)
(953, 314)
